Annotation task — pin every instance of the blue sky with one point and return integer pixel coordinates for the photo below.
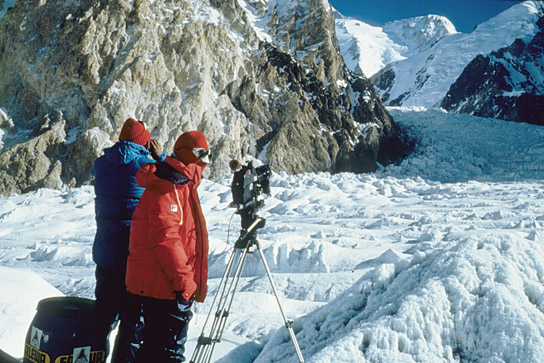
(464, 14)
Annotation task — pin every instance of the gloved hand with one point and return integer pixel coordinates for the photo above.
(155, 148)
(183, 304)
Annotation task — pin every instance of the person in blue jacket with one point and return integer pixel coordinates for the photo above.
(117, 195)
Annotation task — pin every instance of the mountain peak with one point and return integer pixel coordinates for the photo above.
(253, 75)
(367, 48)
(419, 33)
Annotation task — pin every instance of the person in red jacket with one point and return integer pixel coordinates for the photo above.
(167, 266)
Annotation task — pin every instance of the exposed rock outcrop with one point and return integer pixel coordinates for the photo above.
(271, 84)
(34, 163)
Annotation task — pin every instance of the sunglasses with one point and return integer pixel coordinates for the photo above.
(202, 154)
(144, 125)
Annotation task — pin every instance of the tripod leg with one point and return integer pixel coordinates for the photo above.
(205, 347)
(288, 323)
(222, 285)
(229, 299)
(203, 341)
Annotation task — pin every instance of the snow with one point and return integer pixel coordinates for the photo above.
(419, 33)
(205, 13)
(437, 259)
(2, 132)
(258, 22)
(21, 291)
(366, 49)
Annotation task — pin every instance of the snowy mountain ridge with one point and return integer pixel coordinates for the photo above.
(254, 76)
(423, 77)
(420, 33)
(507, 83)
(367, 49)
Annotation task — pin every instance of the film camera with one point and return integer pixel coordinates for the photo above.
(248, 183)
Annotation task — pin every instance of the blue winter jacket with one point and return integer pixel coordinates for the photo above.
(117, 194)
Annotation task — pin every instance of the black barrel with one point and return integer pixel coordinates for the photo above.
(62, 331)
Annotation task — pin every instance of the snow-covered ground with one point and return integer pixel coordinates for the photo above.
(438, 259)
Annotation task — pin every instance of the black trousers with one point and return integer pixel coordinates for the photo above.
(153, 330)
(110, 301)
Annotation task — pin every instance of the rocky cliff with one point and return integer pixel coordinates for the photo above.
(506, 84)
(259, 78)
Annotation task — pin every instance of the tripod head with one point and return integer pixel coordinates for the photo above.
(250, 223)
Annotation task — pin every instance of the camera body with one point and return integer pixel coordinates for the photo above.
(248, 183)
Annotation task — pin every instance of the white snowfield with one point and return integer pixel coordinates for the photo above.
(437, 259)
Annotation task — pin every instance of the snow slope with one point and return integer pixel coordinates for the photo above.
(420, 33)
(437, 259)
(21, 292)
(366, 49)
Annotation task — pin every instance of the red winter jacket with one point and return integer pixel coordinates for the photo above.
(168, 237)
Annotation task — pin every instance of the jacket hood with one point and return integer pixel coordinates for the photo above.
(174, 171)
(124, 152)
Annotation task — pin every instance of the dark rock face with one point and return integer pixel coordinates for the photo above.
(72, 72)
(507, 84)
(383, 80)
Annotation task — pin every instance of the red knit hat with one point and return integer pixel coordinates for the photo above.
(185, 144)
(134, 131)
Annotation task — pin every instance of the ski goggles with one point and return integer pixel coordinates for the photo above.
(202, 154)
(144, 125)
